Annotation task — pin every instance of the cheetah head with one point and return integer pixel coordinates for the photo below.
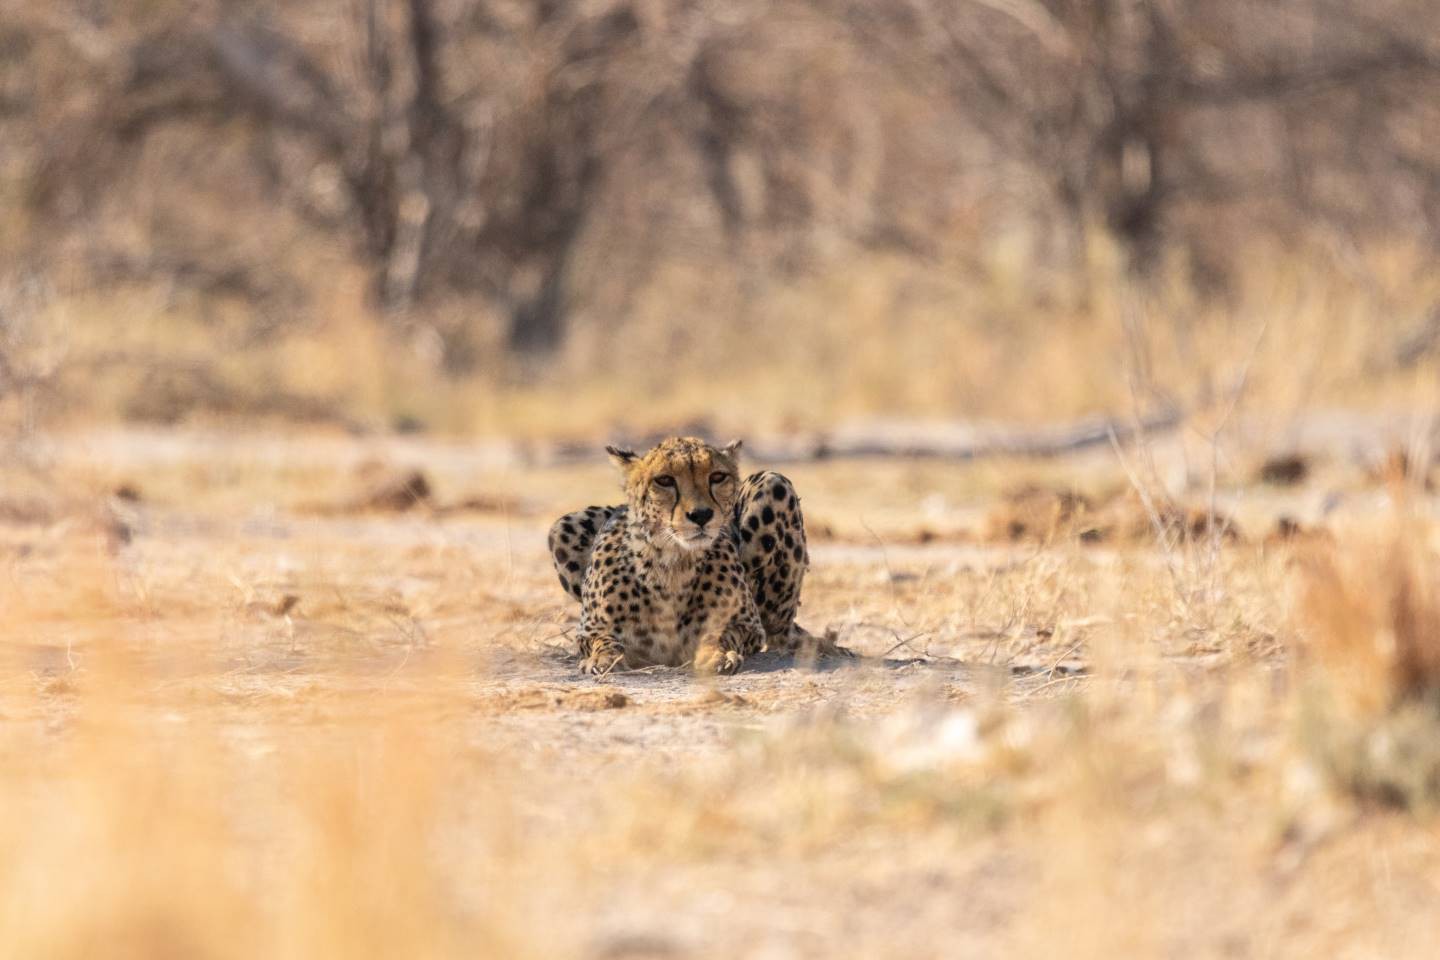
(682, 492)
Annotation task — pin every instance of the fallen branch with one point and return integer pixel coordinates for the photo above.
(941, 441)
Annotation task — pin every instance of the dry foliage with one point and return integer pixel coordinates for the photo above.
(1373, 616)
(1034, 514)
(416, 214)
(1372, 642)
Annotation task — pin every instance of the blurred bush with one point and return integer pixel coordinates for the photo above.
(507, 178)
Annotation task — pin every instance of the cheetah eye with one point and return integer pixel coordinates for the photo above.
(719, 476)
(663, 481)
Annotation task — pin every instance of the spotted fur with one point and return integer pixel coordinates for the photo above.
(697, 567)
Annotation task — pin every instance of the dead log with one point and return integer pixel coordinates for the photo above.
(937, 441)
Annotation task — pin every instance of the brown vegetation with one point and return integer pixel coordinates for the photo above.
(384, 217)
(1038, 515)
(1373, 651)
(1285, 470)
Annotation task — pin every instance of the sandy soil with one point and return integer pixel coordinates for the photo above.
(920, 800)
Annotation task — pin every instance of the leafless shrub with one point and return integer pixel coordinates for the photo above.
(541, 163)
(31, 354)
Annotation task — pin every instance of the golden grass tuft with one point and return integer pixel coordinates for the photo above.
(148, 825)
(1372, 612)
(1370, 643)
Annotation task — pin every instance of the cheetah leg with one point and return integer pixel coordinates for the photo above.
(600, 654)
(775, 556)
(742, 636)
(572, 538)
(713, 658)
(772, 549)
(724, 655)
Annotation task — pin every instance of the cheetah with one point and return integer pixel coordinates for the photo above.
(697, 568)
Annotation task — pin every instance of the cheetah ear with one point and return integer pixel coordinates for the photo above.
(622, 458)
(732, 450)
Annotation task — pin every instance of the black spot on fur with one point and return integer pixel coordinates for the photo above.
(768, 542)
(767, 515)
(778, 491)
(572, 566)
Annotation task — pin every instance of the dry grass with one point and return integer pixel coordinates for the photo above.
(1375, 630)
(255, 729)
(879, 337)
(1373, 655)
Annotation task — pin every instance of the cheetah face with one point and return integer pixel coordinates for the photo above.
(683, 492)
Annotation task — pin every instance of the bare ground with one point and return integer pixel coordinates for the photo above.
(1045, 745)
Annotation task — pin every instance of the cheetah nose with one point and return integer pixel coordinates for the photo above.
(700, 516)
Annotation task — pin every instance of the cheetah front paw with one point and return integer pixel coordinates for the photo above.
(722, 662)
(604, 656)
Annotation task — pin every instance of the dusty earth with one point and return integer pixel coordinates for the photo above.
(1051, 739)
